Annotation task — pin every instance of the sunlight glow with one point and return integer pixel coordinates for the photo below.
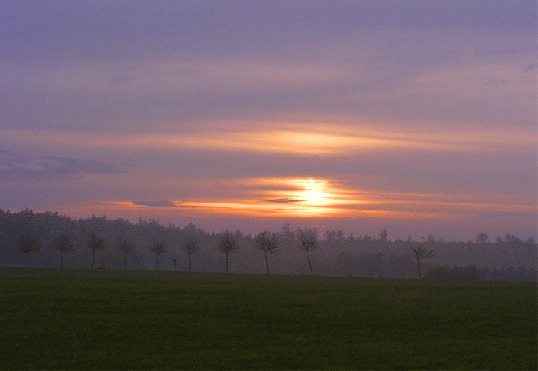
(307, 196)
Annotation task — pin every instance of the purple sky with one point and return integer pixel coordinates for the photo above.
(419, 117)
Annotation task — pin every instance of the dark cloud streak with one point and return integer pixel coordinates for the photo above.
(284, 200)
(155, 203)
(16, 167)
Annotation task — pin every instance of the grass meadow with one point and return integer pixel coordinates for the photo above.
(84, 319)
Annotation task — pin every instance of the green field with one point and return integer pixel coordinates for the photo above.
(83, 319)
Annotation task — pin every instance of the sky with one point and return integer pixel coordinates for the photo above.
(418, 117)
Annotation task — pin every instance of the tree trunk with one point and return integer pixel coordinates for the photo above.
(418, 266)
(155, 261)
(266, 264)
(93, 258)
(309, 263)
(61, 259)
(190, 265)
(226, 261)
(125, 262)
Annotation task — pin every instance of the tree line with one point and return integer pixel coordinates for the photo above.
(49, 239)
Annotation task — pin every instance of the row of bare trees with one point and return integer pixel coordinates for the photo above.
(191, 244)
(65, 244)
(265, 241)
(268, 242)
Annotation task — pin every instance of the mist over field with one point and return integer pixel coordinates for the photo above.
(32, 239)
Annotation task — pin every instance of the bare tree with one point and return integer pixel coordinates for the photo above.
(191, 245)
(126, 246)
(420, 252)
(64, 244)
(227, 244)
(307, 240)
(268, 243)
(29, 245)
(96, 243)
(157, 248)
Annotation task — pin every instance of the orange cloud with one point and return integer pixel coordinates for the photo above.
(294, 197)
(318, 139)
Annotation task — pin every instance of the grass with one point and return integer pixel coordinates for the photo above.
(83, 319)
